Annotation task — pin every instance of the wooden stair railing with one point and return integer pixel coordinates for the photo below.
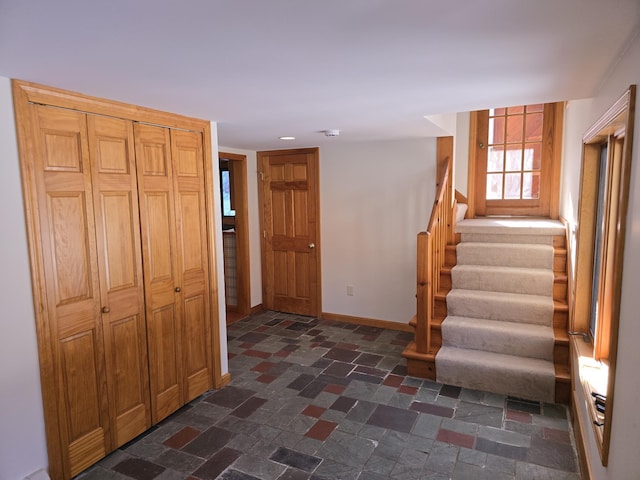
(431, 249)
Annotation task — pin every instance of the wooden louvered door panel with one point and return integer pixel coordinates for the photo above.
(159, 252)
(118, 236)
(62, 173)
(191, 255)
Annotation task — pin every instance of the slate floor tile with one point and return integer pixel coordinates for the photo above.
(298, 460)
(139, 469)
(393, 418)
(230, 396)
(333, 421)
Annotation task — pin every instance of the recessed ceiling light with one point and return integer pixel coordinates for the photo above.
(287, 137)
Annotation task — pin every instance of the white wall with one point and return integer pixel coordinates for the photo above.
(217, 221)
(375, 198)
(255, 270)
(22, 438)
(624, 461)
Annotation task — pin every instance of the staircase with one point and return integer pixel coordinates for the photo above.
(500, 314)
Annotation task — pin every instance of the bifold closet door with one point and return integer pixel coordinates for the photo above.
(175, 254)
(120, 272)
(73, 328)
(191, 223)
(160, 257)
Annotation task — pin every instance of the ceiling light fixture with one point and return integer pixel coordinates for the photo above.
(287, 137)
(333, 132)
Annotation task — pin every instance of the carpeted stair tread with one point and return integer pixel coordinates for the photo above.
(505, 254)
(521, 377)
(508, 307)
(526, 340)
(510, 226)
(534, 281)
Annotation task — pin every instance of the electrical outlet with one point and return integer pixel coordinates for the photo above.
(350, 290)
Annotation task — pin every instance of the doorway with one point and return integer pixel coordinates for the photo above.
(514, 161)
(235, 234)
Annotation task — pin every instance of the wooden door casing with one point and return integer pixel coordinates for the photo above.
(70, 263)
(121, 284)
(290, 221)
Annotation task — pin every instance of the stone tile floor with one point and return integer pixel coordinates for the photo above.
(316, 399)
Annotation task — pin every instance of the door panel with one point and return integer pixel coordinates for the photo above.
(121, 285)
(65, 203)
(192, 262)
(159, 252)
(289, 196)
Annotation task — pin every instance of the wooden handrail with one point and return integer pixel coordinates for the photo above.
(432, 245)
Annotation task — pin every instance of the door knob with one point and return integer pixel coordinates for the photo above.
(178, 289)
(106, 309)
(312, 245)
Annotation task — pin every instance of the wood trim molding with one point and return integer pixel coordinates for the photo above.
(256, 309)
(224, 380)
(581, 446)
(369, 322)
(41, 94)
(471, 169)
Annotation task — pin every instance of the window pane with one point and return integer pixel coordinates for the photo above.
(514, 128)
(532, 156)
(494, 186)
(538, 107)
(512, 186)
(514, 159)
(226, 195)
(533, 128)
(496, 130)
(530, 185)
(512, 110)
(495, 159)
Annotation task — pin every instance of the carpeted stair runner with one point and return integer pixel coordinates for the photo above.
(498, 335)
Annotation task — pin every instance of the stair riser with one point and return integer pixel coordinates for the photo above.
(507, 255)
(504, 378)
(488, 336)
(506, 281)
(494, 309)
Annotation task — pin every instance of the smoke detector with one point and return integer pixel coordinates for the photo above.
(334, 132)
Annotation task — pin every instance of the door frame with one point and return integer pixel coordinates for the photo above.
(262, 156)
(241, 196)
(554, 153)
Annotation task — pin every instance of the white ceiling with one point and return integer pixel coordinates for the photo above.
(266, 68)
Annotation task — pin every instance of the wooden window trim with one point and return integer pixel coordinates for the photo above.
(615, 127)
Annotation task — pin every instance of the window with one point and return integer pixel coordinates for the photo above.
(604, 193)
(227, 211)
(514, 155)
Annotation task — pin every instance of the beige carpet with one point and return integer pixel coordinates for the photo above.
(498, 335)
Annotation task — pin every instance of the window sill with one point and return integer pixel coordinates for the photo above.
(594, 377)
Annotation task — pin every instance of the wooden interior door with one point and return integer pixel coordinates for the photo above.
(291, 231)
(514, 166)
(73, 331)
(120, 268)
(159, 252)
(192, 260)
